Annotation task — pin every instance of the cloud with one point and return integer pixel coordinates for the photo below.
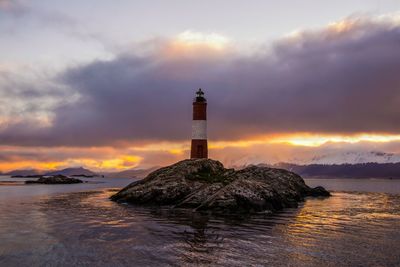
(119, 158)
(328, 153)
(13, 7)
(27, 102)
(18, 16)
(95, 158)
(342, 79)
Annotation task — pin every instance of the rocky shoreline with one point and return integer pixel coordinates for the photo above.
(205, 185)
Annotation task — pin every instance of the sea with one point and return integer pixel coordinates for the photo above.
(77, 225)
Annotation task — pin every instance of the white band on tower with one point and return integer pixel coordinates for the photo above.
(199, 129)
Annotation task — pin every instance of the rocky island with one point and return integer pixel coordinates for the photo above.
(205, 185)
(56, 179)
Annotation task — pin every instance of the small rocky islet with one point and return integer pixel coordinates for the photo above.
(206, 185)
(56, 179)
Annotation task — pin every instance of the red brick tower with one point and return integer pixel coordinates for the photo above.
(199, 127)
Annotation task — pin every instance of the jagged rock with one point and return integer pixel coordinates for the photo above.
(204, 184)
(56, 179)
(319, 191)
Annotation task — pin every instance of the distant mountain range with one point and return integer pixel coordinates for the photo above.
(329, 157)
(73, 172)
(24, 172)
(67, 172)
(370, 164)
(351, 157)
(361, 170)
(80, 171)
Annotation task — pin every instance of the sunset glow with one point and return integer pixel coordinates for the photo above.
(313, 140)
(199, 133)
(307, 139)
(341, 26)
(212, 40)
(23, 164)
(273, 96)
(113, 159)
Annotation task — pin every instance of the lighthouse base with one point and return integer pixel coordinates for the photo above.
(199, 149)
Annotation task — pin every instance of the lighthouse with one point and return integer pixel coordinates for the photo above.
(199, 148)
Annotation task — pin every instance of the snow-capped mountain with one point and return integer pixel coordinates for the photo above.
(354, 157)
(325, 158)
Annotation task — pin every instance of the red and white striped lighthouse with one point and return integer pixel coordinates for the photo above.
(199, 127)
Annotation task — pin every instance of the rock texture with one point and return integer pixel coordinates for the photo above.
(57, 179)
(204, 184)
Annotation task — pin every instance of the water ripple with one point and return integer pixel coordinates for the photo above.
(86, 229)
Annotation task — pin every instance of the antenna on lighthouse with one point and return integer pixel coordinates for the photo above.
(199, 149)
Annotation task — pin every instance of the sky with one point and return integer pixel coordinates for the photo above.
(108, 85)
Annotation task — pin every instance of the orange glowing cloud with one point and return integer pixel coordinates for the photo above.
(95, 158)
(195, 39)
(191, 44)
(268, 148)
(306, 139)
(315, 140)
(24, 164)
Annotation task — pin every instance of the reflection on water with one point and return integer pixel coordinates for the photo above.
(360, 185)
(86, 229)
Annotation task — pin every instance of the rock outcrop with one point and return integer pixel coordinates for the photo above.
(204, 184)
(56, 179)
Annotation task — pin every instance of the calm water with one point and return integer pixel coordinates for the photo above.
(76, 225)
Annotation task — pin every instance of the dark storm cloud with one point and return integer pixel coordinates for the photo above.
(327, 81)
